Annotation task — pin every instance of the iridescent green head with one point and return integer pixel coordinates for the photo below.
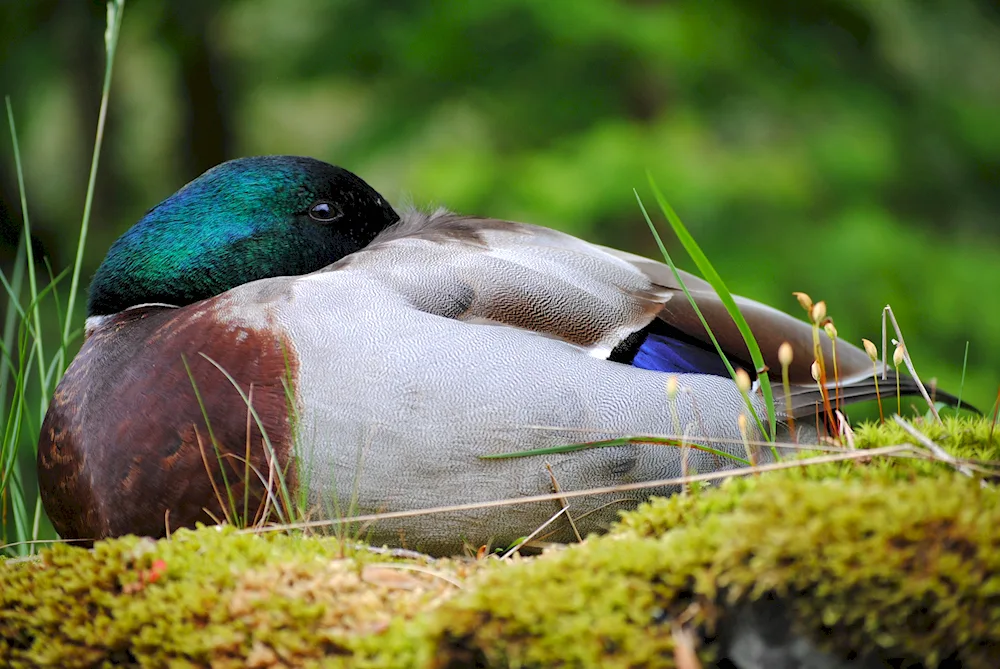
(246, 219)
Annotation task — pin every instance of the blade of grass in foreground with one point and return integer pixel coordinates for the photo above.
(961, 387)
(26, 234)
(116, 8)
(621, 441)
(12, 485)
(21, 512)
(11, 318)
(712, 276)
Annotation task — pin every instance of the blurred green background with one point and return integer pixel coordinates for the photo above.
(846, 148)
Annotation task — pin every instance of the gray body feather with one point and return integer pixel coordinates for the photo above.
(406, 379)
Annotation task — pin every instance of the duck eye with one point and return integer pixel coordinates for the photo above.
(324, 212)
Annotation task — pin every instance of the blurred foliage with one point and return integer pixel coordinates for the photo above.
(847, 148)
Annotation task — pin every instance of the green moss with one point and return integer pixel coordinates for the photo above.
(893, 557)
(897, 569)
(963, 436)
(207, 596)
(897, 557)
(967, 438)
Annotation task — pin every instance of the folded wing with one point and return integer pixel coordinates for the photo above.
(614, 304)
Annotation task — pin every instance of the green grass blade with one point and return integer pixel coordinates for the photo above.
(15, 312)
(11, 317)
(961, 387)
(21, 351)
(282, 484)
(712, 276)
(26, 233)
(12, 488)
(11, 485)
(697, 310)
(8, 449)
(116, 8)
(620, 441)
(211, 437)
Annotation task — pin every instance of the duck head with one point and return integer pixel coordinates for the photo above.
(246, 219)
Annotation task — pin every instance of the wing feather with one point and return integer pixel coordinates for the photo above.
(514, 274)
(538, 279)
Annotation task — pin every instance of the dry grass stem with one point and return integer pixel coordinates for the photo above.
(414, 568)
(885, 451)
(939, 453)
(846, 431)
(887, 312)
(513, 549)
(685, 656)
(563, 502)
(208, 472)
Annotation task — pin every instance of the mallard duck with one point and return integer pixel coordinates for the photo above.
(279, 307)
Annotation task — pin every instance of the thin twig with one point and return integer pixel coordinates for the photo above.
(685, 656)
(401, 566)
(563, 502)
(906, 359)
(208, 471)
(622, 500)
(846, 430)
(399, 553)
(513, 549)
(938, 452)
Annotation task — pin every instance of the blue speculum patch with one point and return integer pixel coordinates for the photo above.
(662, 353)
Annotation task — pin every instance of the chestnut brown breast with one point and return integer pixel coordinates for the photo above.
(144, 432)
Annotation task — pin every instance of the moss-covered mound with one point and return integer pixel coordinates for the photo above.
(880, 560)
(964, 437)
(973, 440)
(211, 596)
(893, 570)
